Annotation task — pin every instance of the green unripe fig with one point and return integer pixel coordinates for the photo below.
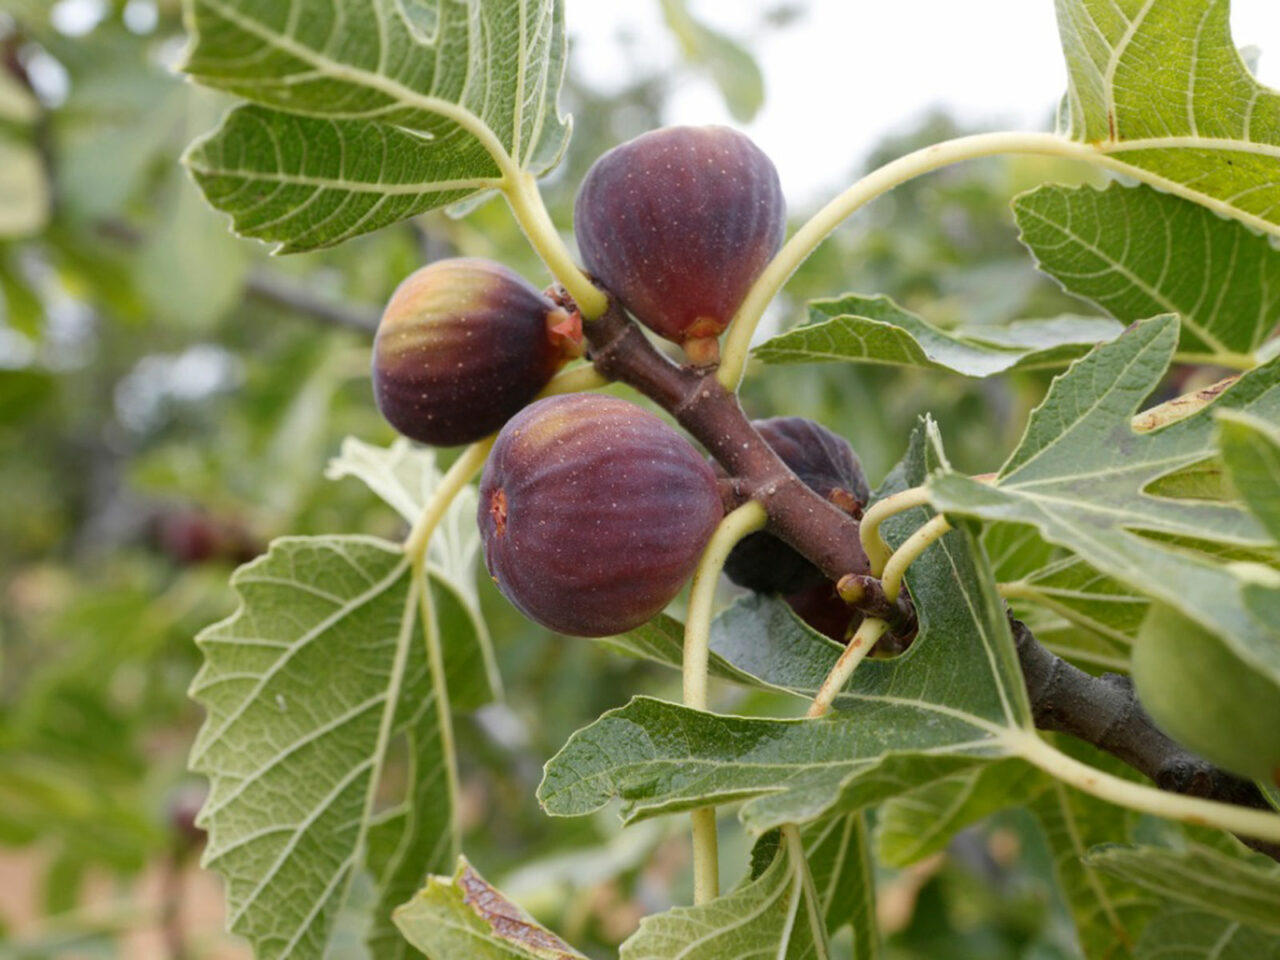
(1203, 695)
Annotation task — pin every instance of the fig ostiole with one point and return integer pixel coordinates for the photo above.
(593, 513)
(462, 346)
(677, 224)
(825, 462)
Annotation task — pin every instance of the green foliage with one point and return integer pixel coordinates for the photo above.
(1136, 253)
(342, 139)
(1202, 877)
(778, 912)
(1108, 914)
(1163, 92)
(346, 616)
(876, 330)
(1251, 450)
(1181, 933)
(1080, 474)
(339, 786)
(922, 822)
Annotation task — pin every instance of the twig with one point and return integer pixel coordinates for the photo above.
(1105, 712)
(294, 296)
(803, 518)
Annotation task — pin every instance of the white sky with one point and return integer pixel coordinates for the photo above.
(850, 71)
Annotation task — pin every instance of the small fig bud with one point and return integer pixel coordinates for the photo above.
(462, 346)
(677, 224)
(593, 513)
(826, 464)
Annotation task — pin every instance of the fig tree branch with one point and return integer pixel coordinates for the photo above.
(276, 290)
(1102, 711)
(1105, 712)
(814, 525)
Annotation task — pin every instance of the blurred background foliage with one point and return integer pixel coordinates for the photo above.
(169, 395)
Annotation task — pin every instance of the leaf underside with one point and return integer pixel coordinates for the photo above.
(1158, 86)
(365, 112)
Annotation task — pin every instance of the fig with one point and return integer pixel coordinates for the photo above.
(826, 464)
(1203, 695)
(822, 608)
(462, 346)
(593, 513)
(677, 224)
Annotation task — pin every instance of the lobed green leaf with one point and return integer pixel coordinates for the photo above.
(776, 914)
(922, 822)
(1109, 913)
(1251, 451)
(1081, 473)
(939, 709)
(1234, 888)
(1183, 933)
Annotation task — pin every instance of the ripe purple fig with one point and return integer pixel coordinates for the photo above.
(822, 608)
(677, 224)
(593, 513)
(462, 346)
(826, 464)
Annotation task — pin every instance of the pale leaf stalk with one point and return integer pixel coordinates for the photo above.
(733, 356)
(1231, 359)
(746, 519)
(439, 687)
(911, 548)
(525, 199)
(386, 725)
(864, 638)
(805, 887)
(1243, 821)
(877, 551)
(575, 380)
(451, 484)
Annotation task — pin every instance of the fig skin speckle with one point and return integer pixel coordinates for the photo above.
(462, 346)
(605, 512)
(677, 224)
(825, 462)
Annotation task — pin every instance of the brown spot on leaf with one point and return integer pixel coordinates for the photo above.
(508, 921)
(1179, 408)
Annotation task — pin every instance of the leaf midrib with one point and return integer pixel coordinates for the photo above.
(465, 119)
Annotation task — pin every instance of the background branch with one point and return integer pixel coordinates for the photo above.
(280, 292)
(1102, 711)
